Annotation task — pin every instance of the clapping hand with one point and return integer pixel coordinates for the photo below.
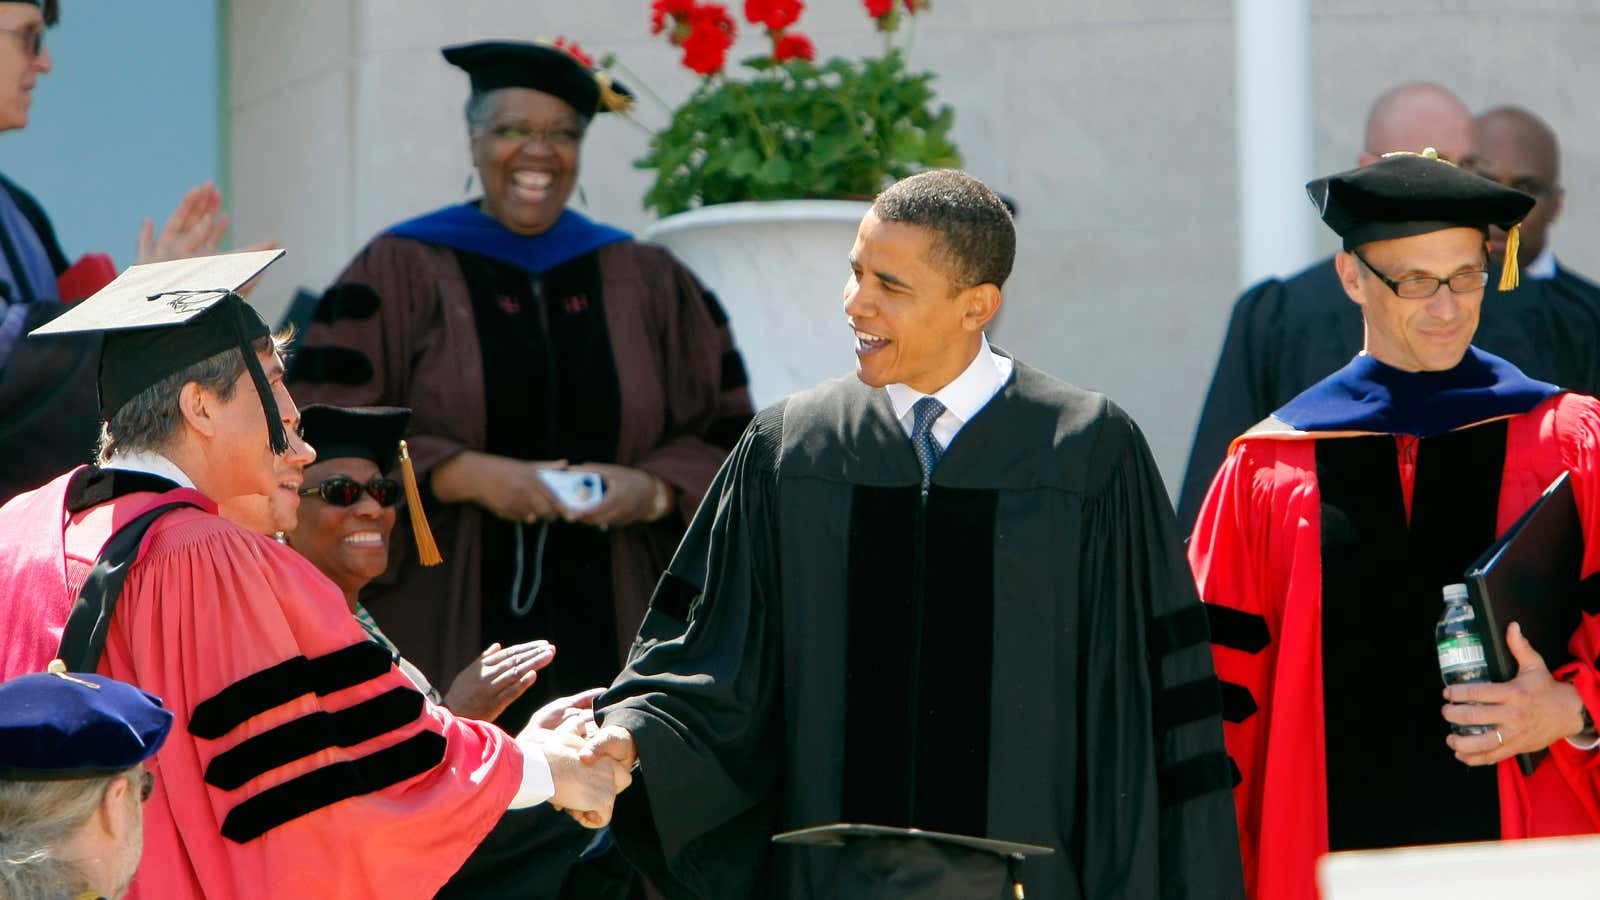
(497, 678)
(1528, 713)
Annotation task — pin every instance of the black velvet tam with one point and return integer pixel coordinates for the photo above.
(492, 65)
(362, 432)
(1406, 194)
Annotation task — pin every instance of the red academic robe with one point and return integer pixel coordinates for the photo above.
(1257, 549)
(299, 764)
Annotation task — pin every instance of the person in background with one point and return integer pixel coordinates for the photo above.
(47, 394)
(1550, 325)
(75, 771)
(526, 338)
(346, 516)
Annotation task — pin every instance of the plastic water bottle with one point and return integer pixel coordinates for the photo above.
(1461, 659)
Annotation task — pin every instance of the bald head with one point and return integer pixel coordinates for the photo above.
(1517, 149)
(1417, 115)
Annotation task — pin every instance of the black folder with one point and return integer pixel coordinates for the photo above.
(1531, 576)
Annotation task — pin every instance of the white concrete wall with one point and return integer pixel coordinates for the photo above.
(1110, 121)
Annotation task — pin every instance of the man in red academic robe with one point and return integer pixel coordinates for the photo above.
(1330, 530)
(301, 761)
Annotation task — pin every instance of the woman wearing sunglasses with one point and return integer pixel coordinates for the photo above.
(347, 513)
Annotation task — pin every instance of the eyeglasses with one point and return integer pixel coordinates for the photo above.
(145, 781)
(1423, 288)
(565, 138)
(342, 490)
(32, 39)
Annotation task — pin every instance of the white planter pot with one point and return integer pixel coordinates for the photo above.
(779, 269)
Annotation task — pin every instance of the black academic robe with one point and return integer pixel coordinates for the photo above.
(1019, 656)
(1286, 335)
(49, 408)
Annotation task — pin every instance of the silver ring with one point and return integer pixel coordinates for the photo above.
(530, 518)
(1499, 737)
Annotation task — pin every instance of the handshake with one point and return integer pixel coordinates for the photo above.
(590, 766)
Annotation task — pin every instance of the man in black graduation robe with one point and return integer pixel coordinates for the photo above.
(1009, 647)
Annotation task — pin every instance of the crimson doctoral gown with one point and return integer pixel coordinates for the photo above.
(301, 762)
(1319, 552)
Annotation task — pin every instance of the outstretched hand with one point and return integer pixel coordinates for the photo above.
(497, 678)
(1528, 713)
(573, 713)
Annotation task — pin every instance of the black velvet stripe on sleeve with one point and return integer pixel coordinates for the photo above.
(330, 784)
(272, 687)
(1237, 629)
(674, 596)
(1195, 777)
(1177, 630)
(350, 300)
(1187, 703)
(312, 734)
(719, 316)
(330, 365)
(733, 372)
(1237, 703)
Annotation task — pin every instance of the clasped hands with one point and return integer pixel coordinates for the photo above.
(589, 767)
(1527, 714)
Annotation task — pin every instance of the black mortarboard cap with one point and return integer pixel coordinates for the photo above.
(57, 726)
(492, 65)
(376, 433)
(160, 318)
(1406, 194)
(878, 862)
(363, 432)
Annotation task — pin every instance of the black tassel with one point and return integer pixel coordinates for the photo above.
(276, 436)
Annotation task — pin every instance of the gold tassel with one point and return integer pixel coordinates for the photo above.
(611, 99)
(1509, 276)
(427, 550)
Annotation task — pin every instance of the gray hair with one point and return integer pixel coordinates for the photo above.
(481, 106)
(36, 820)
(150, 420)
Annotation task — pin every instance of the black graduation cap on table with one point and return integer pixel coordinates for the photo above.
(1406, 194)
(492, 65)
(879, 862)
(375, 433)
(57, 726)
(160, 318)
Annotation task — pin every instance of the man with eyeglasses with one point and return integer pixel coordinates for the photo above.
(1550, 325)
(74, 751)
(1325, 540)
(47, 396)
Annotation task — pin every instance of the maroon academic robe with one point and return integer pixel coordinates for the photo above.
(399, 328)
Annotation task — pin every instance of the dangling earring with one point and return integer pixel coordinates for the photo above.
(467, 188)
(582, 197)
(279, 537)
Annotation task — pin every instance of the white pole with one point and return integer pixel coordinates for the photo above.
(1272, 54)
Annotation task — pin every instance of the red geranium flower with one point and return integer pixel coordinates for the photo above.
(793, 46)
(913, 5)
(775, 14)
(878, 8)
(575, 51)
(711, 33)
(660, 10)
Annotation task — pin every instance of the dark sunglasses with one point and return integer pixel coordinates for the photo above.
(32, 39)
(146, 782)
(342, 490)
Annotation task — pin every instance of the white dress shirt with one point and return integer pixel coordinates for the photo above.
(963, 398)
(538, 784)
(1543, 267)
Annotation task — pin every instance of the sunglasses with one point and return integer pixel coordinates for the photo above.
(32, 39)
(342, 490)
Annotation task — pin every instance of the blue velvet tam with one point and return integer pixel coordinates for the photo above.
(61, 726)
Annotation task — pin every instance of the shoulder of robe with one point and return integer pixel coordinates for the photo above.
(182, 530)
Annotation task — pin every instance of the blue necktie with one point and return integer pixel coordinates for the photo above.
(924, 413)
